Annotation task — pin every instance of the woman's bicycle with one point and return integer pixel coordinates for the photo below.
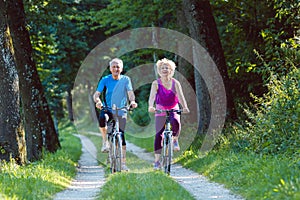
(167, 141)
(114, 138)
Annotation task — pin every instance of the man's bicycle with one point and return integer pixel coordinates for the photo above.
(167, 141)
(114, 138)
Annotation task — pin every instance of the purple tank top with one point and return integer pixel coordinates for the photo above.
(166, 98)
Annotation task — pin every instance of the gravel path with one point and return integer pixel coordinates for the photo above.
(90, 177)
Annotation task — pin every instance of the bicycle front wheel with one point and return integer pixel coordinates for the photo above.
(170, 153)
(167, 152)
(118, 153)
(112, 153)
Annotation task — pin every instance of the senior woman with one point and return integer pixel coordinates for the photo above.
(166, 93)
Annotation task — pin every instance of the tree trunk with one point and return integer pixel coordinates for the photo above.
(203, 29)
(12, 138)
(69, 105)
(37, 121)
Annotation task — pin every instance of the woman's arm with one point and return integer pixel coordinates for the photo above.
(181, 98)
(152, 95)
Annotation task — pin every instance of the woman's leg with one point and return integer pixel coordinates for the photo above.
(176, 128)
(159, 127)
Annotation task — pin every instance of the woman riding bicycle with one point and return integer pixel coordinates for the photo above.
(167, 94)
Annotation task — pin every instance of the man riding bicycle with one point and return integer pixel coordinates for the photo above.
(118, 89)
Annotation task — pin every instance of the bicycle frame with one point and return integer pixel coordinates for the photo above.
(115, 143)
(167, 141)
(167, 147)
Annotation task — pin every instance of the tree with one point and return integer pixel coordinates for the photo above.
(37, 117)
(12, 139)
(202, 28)
(62, 34)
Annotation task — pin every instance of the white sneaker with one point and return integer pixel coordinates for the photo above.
(124, 168)
(105, 147)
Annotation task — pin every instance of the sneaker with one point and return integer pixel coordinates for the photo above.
(176, 145)
(157, 165)
(105, 147)
(124, 168)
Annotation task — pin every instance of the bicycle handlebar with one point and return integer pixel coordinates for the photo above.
(169, 111)
(114, 107)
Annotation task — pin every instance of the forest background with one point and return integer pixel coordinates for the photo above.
(255, 45)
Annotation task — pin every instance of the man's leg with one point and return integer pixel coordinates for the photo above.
(122, 123)
(105, 146)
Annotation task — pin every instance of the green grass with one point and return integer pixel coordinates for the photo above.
(251, 175)
(44, 178)
(147, 185)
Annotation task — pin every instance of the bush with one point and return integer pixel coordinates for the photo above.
(273, 127)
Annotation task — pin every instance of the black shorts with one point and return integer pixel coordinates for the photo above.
(106, 116)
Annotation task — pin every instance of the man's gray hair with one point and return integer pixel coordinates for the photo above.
(116, 60)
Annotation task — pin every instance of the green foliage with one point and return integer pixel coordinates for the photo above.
(42, 179)
(120, 15)
(274, 126)
(140, 115)
(60, 40)
(248, 28)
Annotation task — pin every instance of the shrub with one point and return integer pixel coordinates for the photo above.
(274, 126)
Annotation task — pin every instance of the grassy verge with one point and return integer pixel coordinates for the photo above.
(252, 176)
(44, 178)
(150, 185)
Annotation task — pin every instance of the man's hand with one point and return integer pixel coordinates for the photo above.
(99, 105)
(133, 104)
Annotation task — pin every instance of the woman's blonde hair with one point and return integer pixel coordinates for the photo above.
(168, 62)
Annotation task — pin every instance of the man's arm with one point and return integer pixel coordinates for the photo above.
(97, 100)
(131, 98)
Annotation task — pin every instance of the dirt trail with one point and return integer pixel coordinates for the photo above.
(90, 177)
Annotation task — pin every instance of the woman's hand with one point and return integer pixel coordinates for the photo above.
(185, 110)
(151, 109)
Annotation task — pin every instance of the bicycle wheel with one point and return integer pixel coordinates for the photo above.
(170, 153)
(113, 155)
(109, 156)
(167, 152)
(118, 153)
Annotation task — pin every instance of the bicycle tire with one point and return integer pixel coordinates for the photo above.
(118, 154)
(167, 152)
(113, 156)
(170, 153)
